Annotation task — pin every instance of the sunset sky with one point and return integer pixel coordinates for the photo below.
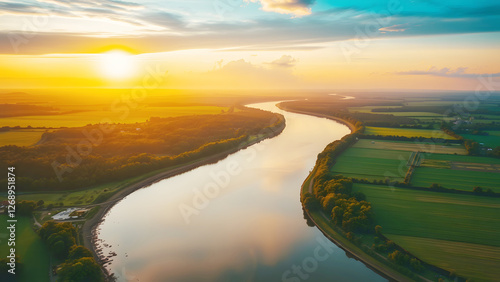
(388, 44)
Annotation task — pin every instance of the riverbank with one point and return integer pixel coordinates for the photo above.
(89, 229)
(322, 222)
(351, 126)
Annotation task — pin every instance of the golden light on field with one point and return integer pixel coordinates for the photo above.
(117, 64)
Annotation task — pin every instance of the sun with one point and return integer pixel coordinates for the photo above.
(117, 64)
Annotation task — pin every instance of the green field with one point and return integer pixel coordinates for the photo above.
(33, 253)
(411, 146)
(379, 159)
(368, 109)
(21, 137)
(456, 256)
(430, 222)
(455, 179)
(426, 133)
(492, 140)
(467, 172)
(470, 159)
(372, 164)
(140, 114)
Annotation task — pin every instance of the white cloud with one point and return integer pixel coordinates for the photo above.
(285, 61)
(294, 7)
(447, 72)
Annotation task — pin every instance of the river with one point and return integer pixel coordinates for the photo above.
(237, 220)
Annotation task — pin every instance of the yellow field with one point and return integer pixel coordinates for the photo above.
(21, 137)
(120, 115)
(406, 132)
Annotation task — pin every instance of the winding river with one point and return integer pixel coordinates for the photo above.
(237, 220)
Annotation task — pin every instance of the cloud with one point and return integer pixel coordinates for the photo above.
(394, 28)
(161, 30)
(447, 72)
(285, 61)
(294, 7)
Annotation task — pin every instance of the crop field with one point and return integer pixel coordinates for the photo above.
(492, 140)
(412, 114)
(368, 109)
(124, 115)
(21, 137)
(430, 222)
(458, 172)
(372, 164)
(426, 133)
(33, 253)
(465, 159)
(456, 256)
(411, 146)
(455, 179)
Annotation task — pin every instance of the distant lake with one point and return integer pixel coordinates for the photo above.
(237, 220)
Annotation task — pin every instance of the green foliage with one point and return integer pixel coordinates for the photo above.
(80, 270)
(25, 208)
(78, 252)
(111, 156)
(59, 237)
(310, 202)
(416, 265)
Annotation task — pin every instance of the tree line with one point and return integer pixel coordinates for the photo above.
(79, 264)
(129, 149)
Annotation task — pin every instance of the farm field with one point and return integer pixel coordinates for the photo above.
(458, 172)
(410, 146)
(430, 222)
(458, 158)
(372, 164)
(458, 256)
(426, 133)
(455, 178)
(368, 109)
(21, 137)
(126, 115)
(29, 246)
(492, 140)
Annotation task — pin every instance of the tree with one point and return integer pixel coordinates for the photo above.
(310, 202)
(416, 265)
(80, 270)
(60, 237)
(78, 252)
(60, 243)
(378, 229)
(328, 202)
(477, 190)
(25, 208)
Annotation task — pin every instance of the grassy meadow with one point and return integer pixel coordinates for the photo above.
(427, 222)
(33, 253)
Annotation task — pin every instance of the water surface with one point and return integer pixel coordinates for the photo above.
(237, 220)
